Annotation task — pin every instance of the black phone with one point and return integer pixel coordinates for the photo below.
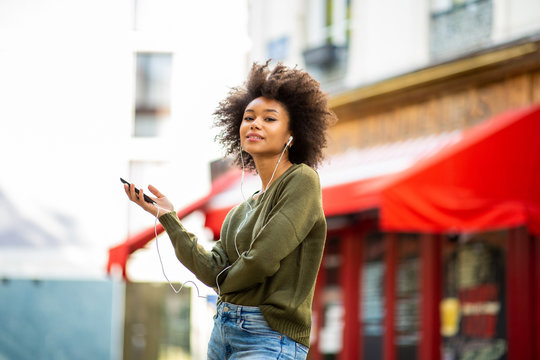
(146, 198)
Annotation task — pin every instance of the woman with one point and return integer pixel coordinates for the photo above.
(265, 265)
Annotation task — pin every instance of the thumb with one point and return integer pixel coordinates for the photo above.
(155, 191)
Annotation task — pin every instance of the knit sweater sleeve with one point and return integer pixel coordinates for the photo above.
(292, 217)
(206, 265)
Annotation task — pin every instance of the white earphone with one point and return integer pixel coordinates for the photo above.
(289, 142)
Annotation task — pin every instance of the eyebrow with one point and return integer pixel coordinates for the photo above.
(265, 110)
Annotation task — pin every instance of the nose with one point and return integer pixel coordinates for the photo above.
(255, 124)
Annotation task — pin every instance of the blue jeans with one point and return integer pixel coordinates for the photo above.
(241, 332)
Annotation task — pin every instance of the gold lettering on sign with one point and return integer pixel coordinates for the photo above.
(491, 351)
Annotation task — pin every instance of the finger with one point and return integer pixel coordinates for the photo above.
(155, 191)
(141, 200)
(151, 208)
(127, 189)
(129, 192)
(154, 198)
(134, 196)
(142, 196)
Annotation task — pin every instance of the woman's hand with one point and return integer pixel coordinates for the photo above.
(161, 200)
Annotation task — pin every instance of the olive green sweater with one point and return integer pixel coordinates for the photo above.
(280, 244)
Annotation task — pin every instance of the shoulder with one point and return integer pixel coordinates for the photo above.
(299, 182)
(303, 174)
(301, 197)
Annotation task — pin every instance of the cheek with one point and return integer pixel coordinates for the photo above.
(242, 129)
(244, 125)
(242, 132)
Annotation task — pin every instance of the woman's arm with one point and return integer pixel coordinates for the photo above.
(205, 265)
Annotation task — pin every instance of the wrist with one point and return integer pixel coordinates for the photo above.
(162, 211)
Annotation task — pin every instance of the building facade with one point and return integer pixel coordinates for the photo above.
(400, 72)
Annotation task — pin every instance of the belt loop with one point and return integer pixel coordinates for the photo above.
(238, 314)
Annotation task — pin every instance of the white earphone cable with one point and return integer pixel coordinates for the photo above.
(161, 262)
(250, 208)
(176, 291)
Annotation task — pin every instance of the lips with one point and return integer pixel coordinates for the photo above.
(254, 137)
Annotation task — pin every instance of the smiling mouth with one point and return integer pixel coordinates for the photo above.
(254, 138)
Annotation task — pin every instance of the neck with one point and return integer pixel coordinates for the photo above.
(266, 167)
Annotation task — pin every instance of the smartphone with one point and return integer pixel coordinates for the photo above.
(146, 198)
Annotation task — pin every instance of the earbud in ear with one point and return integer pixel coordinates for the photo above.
(289, 142)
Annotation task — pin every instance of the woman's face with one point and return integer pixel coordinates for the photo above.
(264, 131)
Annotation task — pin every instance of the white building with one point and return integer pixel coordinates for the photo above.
(92, 91)
(348, 43)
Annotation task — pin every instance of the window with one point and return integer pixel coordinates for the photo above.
(327, 40)
(153, 93)
(473, 310)
(407, 317)
(372, 301)
(278, 49)
(329, 22)
(458, 26)
(331, 341)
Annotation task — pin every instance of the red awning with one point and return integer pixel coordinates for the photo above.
(488, 180)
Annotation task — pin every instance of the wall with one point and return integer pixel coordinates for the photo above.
(59, 320)
(453, 105)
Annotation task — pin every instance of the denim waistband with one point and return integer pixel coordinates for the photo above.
(233, 310)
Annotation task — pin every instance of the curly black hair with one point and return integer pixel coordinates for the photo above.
(302, 97)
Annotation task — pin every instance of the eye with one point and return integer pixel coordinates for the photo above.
(270, 119)
(248, 118)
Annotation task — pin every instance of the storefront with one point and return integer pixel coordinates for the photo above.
(448, 267)
(405, 296)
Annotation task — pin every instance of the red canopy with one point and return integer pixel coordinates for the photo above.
(488, 180)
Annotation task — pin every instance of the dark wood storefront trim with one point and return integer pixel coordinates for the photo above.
(519, 294)
(352, 255)
(536, 297)
(430, 275)
(389, 350)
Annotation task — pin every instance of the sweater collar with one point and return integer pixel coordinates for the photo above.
(257, 194)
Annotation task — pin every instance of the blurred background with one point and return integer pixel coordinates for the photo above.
(420, 263)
